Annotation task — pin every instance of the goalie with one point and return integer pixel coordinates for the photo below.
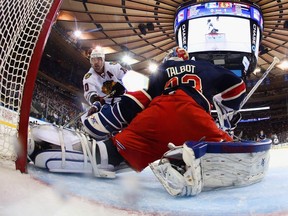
(175, 109)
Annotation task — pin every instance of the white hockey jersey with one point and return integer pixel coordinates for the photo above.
(93, 82)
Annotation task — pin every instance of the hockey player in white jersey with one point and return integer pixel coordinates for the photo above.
(101, 76)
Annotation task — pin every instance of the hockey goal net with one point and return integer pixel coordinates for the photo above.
(25, 26)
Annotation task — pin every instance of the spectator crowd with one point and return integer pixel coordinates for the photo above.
(53, 104)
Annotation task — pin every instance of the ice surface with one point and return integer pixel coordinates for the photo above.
(43, 193)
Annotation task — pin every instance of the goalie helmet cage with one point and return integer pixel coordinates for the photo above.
(25, 27)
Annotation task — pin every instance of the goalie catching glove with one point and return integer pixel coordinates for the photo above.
(228, 118)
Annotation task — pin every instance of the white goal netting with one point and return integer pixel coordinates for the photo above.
(21, 23)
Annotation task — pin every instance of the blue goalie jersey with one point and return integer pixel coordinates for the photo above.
(200, 79)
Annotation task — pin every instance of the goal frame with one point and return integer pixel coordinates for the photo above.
(21, 162)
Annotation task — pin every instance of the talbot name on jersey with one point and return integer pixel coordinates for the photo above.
(173, 71)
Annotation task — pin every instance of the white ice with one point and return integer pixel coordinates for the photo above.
(49, 194)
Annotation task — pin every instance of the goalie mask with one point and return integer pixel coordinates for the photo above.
(177, 54)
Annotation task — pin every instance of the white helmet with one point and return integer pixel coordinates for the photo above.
(97, 53)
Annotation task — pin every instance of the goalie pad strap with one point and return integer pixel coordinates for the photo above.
(103, 153)
(99, 170)
(84, 149)
(61, 139)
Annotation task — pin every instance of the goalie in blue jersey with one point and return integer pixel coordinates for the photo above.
(170, 122)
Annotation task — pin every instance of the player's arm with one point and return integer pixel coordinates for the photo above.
(232, 90)
(113, 118)
(157, 82)
(111, 89)
(91, 96)
(90, 92)
(121, 71)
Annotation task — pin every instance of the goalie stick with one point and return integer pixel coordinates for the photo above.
(275, 61)
(233, 113)
(72, 121)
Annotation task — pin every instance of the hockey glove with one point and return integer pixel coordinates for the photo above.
(95, 98)
(119, 89)
(114, 88)
(227, 117)
(235, 120)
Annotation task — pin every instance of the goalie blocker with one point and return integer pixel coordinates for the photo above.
(183, 170)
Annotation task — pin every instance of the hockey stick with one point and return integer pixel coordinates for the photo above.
(275, 61)
(82, 113)
(233, 113)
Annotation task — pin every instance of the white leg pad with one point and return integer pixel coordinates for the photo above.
(233, 170)
(211, 166)
(77, 153)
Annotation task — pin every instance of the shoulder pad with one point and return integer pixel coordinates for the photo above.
(87, 75)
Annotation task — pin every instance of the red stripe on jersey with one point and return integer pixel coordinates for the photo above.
(234, 91)
(141, 97)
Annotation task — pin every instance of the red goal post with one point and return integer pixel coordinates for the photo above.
(25, 27)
